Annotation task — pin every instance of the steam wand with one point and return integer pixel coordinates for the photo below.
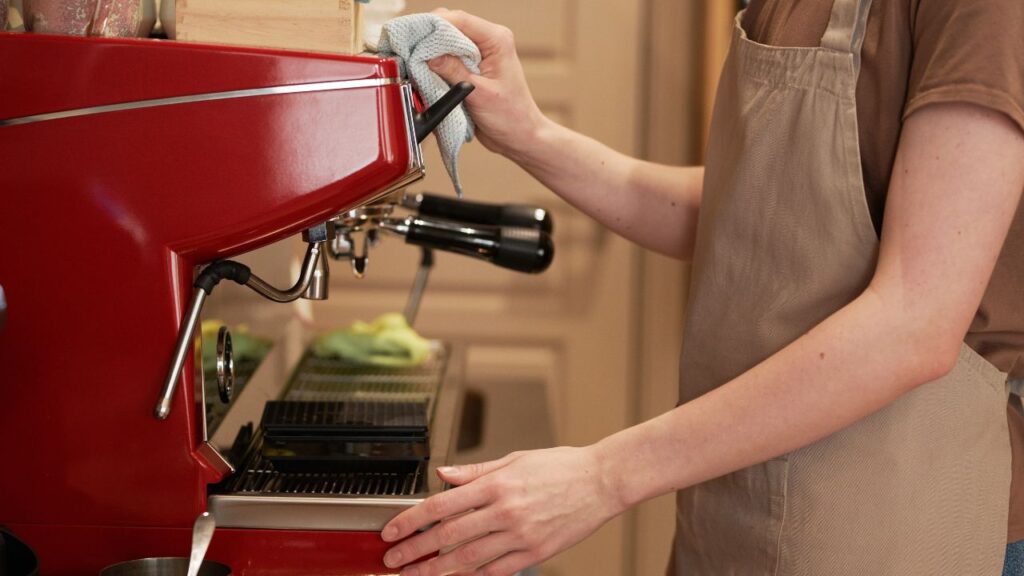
(311, 283)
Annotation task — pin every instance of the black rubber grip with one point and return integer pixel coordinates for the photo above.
(520, 249)
(222, 270)
(525, 250)
(514, 215)
(433, 116)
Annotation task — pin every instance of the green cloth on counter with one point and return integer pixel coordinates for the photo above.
(244, 346)
(387, 341)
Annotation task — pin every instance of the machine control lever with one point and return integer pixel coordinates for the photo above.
(430, 118)
(514, 215)
(419, 285)
(519, 249)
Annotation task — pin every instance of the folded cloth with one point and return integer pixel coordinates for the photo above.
(387, 341)
(415, 40)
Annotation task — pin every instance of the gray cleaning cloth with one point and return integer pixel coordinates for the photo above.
(415, 40)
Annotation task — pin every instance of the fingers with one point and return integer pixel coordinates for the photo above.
(450, 503)
(451, 69)
(459, 475)
(491, 38)
(464, 558)
(434, 509)
(446, 534)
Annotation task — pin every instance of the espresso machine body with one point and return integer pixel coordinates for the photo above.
(127, 165)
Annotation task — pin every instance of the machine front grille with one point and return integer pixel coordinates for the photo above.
(333, 380)
(327, 417)
(258, 477)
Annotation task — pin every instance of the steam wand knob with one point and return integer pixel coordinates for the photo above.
(430, 118)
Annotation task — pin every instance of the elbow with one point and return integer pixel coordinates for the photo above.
(926, 338)
(932, 359)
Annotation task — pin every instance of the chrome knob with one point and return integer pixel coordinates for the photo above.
(3, 308)
(225, 365)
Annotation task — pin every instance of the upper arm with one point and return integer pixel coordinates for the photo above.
(955, 187)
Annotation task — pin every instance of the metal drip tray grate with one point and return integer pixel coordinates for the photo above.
(329, 393)
(333, 497)
(259, 477)
(346, 418)
(347, 436)
(331, 379)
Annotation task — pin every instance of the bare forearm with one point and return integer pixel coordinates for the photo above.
(654, 205)
(851, 365)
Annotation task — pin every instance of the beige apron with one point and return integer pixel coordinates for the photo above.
(785, 239)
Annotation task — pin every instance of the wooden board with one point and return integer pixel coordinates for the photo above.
(314, 25)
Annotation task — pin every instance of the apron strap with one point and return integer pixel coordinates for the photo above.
(847, 27)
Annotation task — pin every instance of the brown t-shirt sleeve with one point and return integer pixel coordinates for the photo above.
(1015, 418)
(969, 51)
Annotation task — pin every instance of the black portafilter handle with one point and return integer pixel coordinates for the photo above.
(520, 249)
(514, 215)
(430, 118)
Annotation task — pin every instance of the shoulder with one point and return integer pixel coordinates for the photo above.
(968, 51)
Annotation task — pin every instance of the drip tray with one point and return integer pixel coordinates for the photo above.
(259, 477)
(265, 494)
(345, 436)
(261, 496)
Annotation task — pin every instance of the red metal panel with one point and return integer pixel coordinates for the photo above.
(80, 550)
(73, 72)
(211, 179)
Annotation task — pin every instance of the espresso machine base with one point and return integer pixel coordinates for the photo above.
(82, 550)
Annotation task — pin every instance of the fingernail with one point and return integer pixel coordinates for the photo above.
(437, 62)
(393, 558)
(410, 572)
(448, 470)
(389, 533)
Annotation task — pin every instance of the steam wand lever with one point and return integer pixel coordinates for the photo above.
(430, 118)
(306, 285)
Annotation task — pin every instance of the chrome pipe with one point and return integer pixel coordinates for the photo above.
(188, 327)
(320, 281)
(309, 264)
(398, 227)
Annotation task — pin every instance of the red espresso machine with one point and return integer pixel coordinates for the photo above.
(129, 165)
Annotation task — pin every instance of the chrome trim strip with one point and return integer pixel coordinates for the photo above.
(209, 97)
(214, 457)
(415, 152)
(363, 514)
